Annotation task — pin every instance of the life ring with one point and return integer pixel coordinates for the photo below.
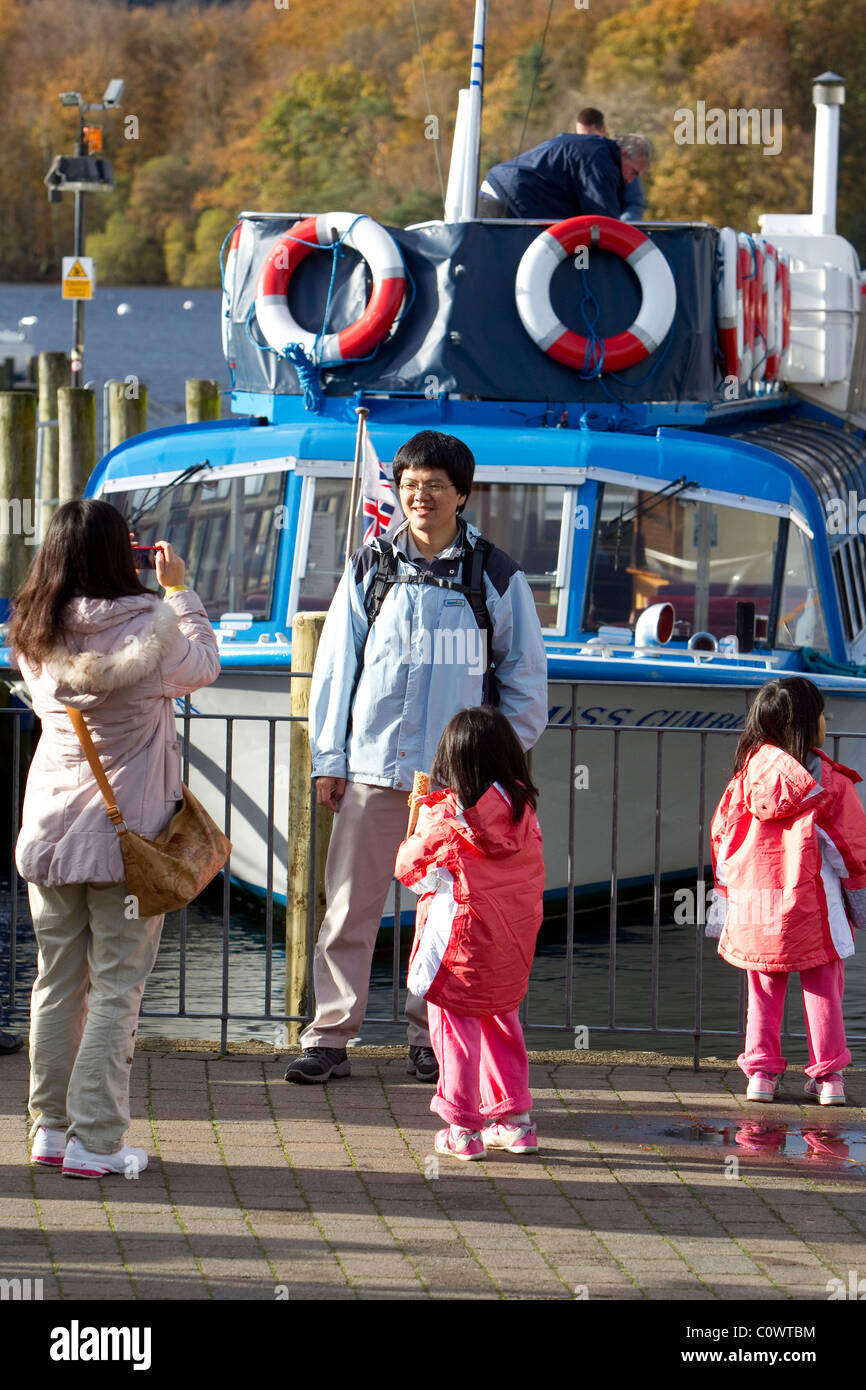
(228, 287)
(730, 314)
(772, 290)
(759, 346)
(382, 255)
(748, 277)
(532, 291)
(785, 277)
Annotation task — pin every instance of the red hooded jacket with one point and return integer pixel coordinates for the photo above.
(481, 881)
(785, 845)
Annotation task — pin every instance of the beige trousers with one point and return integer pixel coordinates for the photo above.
(368, 830)
(93, 966)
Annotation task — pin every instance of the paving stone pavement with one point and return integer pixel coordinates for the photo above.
(653, 1182)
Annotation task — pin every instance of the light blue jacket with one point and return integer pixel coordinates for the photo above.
(424, 661)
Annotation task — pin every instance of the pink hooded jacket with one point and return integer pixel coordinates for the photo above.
(481, 878)
(124, 662)
(785, 844)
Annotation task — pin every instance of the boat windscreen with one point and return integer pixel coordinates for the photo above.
(225, 531)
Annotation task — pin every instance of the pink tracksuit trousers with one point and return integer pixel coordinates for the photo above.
(483, 1067)
(823, 988)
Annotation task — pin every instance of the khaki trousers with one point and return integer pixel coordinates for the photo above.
(368, 830)
(93, 966)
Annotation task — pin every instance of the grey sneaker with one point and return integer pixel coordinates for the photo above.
(422, 1063)
(318, 1064)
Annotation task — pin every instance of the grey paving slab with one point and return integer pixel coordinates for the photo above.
(336, 1192)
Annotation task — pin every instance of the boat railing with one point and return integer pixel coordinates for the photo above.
(617, 960)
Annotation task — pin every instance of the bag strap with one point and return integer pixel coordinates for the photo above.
(93, 758)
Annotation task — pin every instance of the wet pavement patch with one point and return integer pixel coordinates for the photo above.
(841, 1145)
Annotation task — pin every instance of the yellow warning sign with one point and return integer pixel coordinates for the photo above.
(78, 277)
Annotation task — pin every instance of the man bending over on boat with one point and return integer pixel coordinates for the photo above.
(590, 121)
(568, 176)
(428, 619)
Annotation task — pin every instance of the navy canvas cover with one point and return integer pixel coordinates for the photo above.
(460, 330)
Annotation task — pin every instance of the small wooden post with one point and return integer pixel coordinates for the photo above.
(127, 410)
(203, 399)
(306, 632)
(18, 535)
(76, 414)
(53, 372)
(7, 373)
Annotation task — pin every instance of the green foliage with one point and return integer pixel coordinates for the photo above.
(202, 267)
(125, 255)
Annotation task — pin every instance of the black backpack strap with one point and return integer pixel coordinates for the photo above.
(386, 573)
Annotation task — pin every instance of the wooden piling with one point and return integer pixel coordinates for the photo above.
(306, 632)
(18, 536)
(76, 415)
(203, 399)
(52, 373)
(127, 410)
(7, 373)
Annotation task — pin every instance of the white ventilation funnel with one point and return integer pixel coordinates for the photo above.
(828, 94)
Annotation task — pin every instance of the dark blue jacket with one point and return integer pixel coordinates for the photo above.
(633, 201)
(564, 177)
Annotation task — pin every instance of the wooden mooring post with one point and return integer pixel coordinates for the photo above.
(52, 373)
(306, 632)
(76, 415)
(203, 399)
(127, 410)
(18, 536)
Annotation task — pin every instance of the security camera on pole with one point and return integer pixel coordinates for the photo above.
(83, 172)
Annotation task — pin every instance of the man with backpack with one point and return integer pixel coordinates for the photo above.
(427, 620)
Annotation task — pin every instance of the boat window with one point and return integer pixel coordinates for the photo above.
(525, 520)
(208, 524)
(327, 544)
(701, 557)
(801, 612)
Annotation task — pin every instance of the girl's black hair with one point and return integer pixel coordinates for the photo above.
(86, 551)
(479, 747)
(785, 712)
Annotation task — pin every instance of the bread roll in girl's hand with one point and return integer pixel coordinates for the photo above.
(420, 787)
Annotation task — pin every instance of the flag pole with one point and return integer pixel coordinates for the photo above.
(362, 412)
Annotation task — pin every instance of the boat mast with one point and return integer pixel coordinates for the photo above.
(462, 193)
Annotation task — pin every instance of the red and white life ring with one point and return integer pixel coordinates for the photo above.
(228, 286)
(535, 272)
(382, 255)
(730, 312)
(773, 292)
(748, 278)
(785, 277)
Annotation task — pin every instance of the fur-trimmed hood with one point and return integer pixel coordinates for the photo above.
(111, 644)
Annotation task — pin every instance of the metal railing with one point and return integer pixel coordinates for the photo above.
(566, 940)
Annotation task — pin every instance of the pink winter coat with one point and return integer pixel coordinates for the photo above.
(125, 661)
(785, 844)
(481, 878)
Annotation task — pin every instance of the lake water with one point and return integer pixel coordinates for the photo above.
(158, 340)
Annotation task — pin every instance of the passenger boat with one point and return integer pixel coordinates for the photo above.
(685, 496)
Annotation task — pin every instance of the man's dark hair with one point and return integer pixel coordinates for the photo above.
(479, 747)
(590, 115)
(430, 449)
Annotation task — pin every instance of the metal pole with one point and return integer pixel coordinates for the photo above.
(473, 123)
(362, 412)
(77, 354)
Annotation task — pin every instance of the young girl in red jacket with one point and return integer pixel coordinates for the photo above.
(789, 857)
(476, 861)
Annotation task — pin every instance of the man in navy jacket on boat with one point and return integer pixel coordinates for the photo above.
(590, 121)
(568, 176)
(381, 694)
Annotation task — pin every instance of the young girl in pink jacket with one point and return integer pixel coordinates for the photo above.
(476, 860)
(789, 857)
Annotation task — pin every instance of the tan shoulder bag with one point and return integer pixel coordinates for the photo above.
(168, 872)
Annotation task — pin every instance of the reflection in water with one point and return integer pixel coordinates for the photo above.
(842, 1145)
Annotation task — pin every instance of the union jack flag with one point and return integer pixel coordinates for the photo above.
(381, 505)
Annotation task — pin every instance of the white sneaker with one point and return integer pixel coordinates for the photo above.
(763, 1085)
(49, 1146)
(79, 1162)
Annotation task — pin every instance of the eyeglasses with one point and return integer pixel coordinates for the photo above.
(427, 489)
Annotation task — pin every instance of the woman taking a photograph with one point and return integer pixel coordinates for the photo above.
(87, 634)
